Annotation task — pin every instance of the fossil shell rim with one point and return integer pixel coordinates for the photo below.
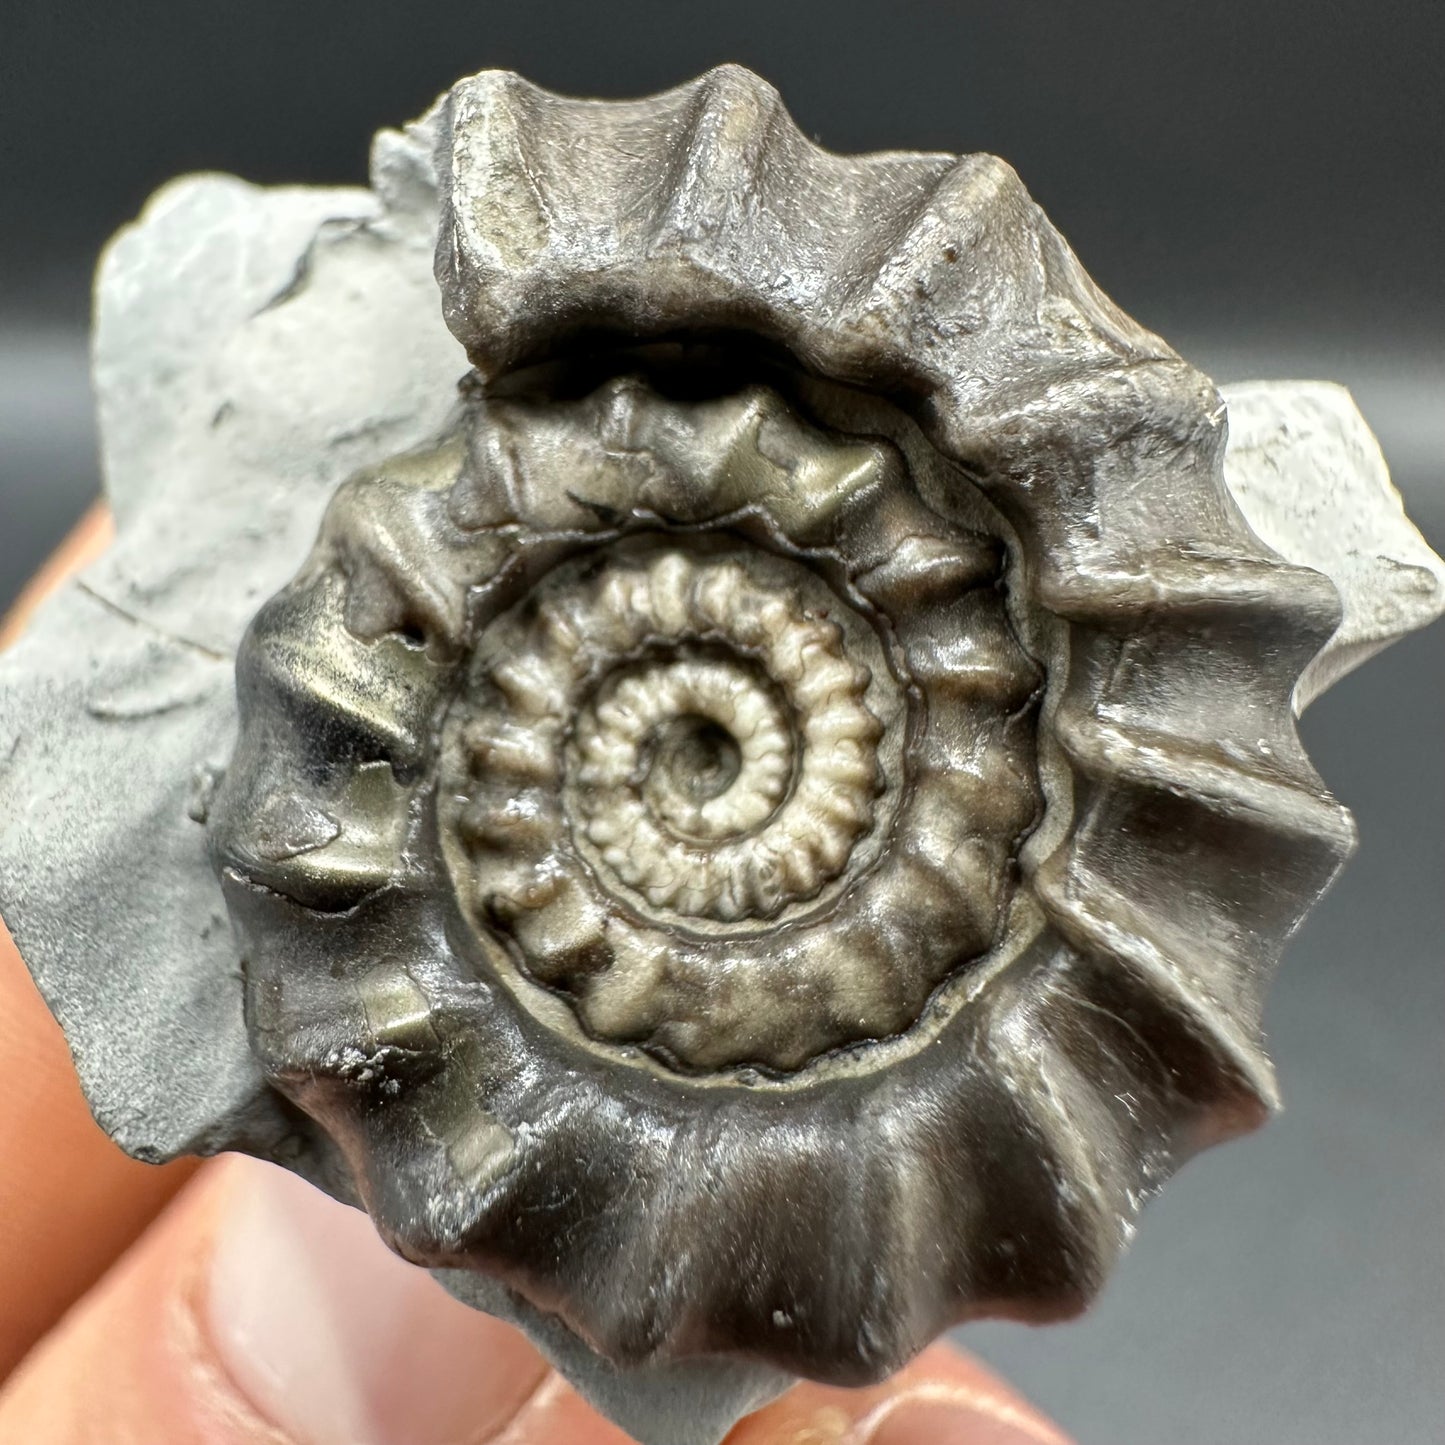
(1000, 1170)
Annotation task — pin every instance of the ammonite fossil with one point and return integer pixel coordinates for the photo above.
(757, 827)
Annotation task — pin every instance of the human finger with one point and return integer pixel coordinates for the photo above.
(944, 1397)
(256, 1311)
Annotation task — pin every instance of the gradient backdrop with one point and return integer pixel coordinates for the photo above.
(1263, 183)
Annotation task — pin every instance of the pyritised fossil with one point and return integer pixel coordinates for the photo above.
(760, 827)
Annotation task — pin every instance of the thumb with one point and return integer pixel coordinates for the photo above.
(258, 1310)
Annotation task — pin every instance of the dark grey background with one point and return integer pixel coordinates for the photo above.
(1262, 182)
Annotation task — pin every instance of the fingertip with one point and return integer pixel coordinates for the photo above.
(337, 1340)
(256, 1310)
(944, 1397)
(124, 1362)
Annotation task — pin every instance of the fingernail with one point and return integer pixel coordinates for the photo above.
(962, 1417)
(337, 1341)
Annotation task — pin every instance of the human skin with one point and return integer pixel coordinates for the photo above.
(228, 1303)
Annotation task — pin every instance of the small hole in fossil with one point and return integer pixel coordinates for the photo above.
(696, 758)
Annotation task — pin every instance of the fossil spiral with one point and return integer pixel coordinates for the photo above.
(679, 760)
(864, 776)
(741, 775)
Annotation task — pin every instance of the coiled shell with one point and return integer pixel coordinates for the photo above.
(1007, 807)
